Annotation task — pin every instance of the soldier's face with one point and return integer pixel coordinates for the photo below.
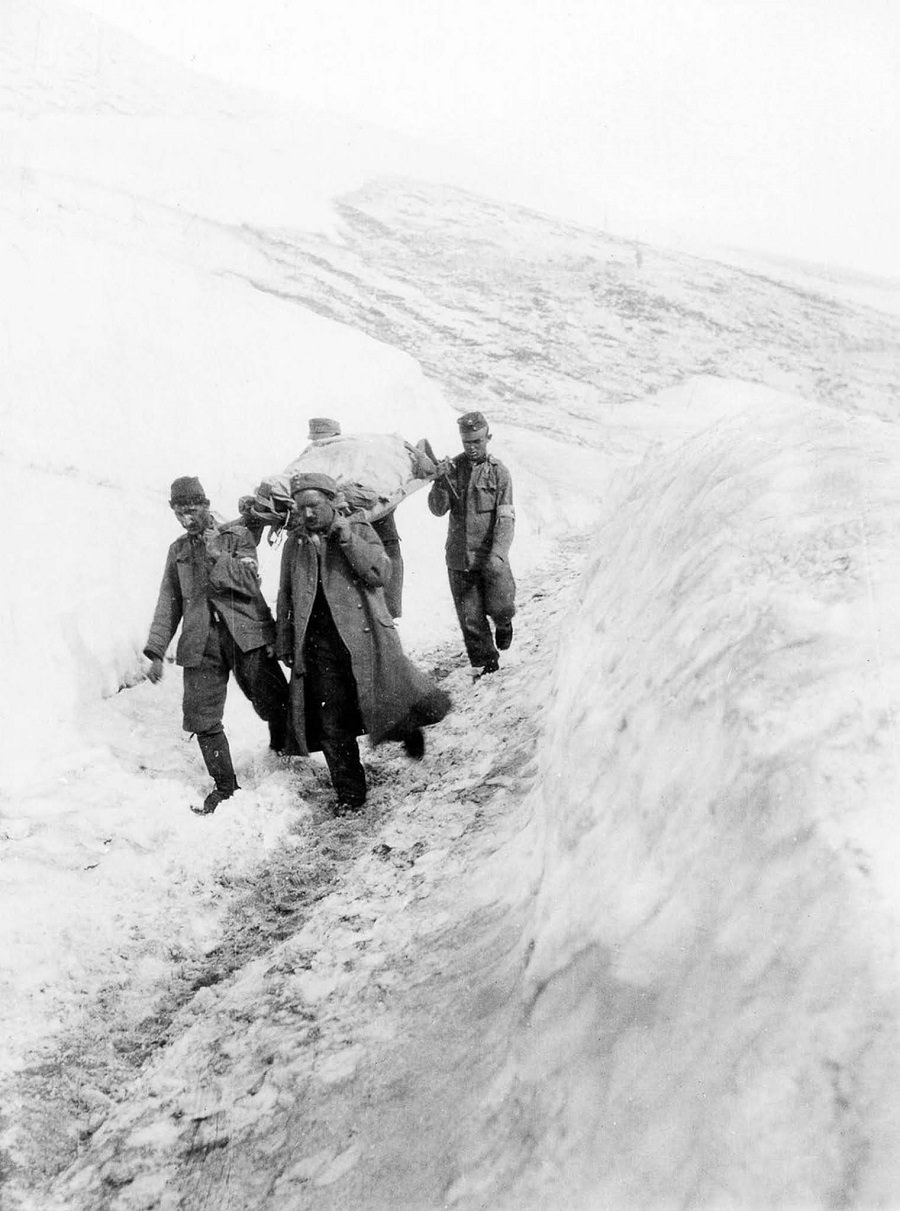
(315, 510)
(194, 518)
(475, 445)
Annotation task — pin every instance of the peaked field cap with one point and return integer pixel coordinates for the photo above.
(323, 426)
(303, 481)
(187, 490)
(471, 422)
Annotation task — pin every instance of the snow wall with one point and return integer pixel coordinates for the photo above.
(124, 371)
(135, 349)
(711, 999)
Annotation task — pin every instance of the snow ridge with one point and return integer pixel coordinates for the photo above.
(58, 59)
(718, 801)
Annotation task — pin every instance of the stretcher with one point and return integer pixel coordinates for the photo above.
(374, 472)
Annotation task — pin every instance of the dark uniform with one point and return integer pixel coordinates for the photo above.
(386, 529)
(211, 586)
(349, 671)
(478, 496)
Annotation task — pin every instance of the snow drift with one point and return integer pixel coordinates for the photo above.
(712, 998)
(55, 58)
(124, 371)
(136, 348)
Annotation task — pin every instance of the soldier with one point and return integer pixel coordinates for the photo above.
(211, 586)
(322, 429)
(349, 672)
(476, 490)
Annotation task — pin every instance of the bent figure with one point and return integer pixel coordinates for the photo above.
(211, 586)
(476, 490)
(349, 672)
(325, 429)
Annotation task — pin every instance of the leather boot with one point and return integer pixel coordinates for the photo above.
(217, 756)
(503, 636)
(278, 734)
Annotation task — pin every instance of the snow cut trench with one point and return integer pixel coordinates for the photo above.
(662, 969)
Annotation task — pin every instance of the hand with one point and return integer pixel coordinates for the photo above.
(155, 671)
(443, 469)
(494, 562)
(213, 545)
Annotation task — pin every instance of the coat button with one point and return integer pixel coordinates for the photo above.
(365, 630)
(359, 605)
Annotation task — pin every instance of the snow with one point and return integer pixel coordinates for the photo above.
(628, 935)
(59, 59)
(718, 801)
(127, 371)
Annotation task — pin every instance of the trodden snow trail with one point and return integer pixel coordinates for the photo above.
(312, 1045)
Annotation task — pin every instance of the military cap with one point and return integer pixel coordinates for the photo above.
(323, 426)
(187, 490)
(303, 481)
(471, 422)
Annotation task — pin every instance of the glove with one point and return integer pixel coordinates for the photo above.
(155, 671)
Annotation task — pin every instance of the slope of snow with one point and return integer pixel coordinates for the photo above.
(137, 349)
(264, 170)
(125, 370)
(55, 58)
(718, 808)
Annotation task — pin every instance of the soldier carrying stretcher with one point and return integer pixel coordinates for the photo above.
(476, 490)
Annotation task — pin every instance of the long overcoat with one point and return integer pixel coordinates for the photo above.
(392, 692)
(224, 577)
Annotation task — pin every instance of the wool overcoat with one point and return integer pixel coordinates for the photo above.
(223, 576)
(392, 692)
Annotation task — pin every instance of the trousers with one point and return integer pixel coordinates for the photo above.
(332, 705)
(477, 596)
(258, 675)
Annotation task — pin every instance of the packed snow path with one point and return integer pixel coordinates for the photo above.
(315, 953)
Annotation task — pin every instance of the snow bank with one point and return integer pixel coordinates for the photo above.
(265, 171)
(134, 350)
(54, 57)
(125, 370)
(713, 989)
